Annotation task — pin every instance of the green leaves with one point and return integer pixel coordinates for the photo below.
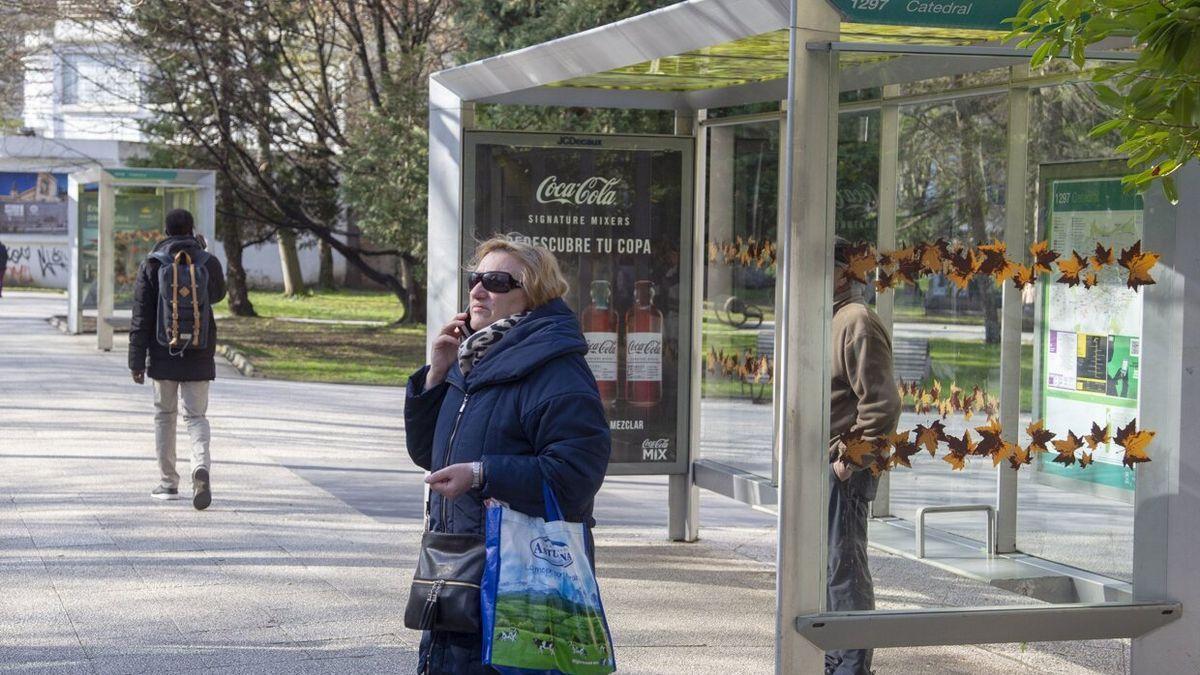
(1154, 100)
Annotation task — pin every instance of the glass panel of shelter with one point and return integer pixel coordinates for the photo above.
(739, 297)
(137, 227)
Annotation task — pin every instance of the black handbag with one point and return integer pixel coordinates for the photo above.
(445, 588)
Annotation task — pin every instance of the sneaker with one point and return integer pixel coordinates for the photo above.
(165, 493)
(202, 490)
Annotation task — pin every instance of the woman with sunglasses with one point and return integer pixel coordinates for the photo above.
(506, 403)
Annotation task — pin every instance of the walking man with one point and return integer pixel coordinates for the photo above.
(863, 398)
(173, 339)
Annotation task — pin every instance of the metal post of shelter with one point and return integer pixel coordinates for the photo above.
(449, 116)
(807, 254)
(104, 264)
(1015, 216)
(885, 303)
(683, 496)
(1165, 545)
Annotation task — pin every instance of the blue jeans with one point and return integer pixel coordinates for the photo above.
(850, 586)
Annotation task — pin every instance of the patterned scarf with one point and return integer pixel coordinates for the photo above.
(473, 348)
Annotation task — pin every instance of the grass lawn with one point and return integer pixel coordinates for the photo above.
(350, 354)
(344, 305)
(970, 363)
(36, 289)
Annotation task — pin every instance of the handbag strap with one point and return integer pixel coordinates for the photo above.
(553, 510)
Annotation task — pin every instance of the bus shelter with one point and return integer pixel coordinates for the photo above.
(114, 220)
(729, 293)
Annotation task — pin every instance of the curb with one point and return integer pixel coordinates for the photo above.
(238, 360)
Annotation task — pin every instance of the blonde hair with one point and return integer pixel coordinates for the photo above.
(541, 277)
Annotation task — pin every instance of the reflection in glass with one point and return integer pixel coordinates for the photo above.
(739, 297)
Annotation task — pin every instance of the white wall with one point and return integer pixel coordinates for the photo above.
(37, 260)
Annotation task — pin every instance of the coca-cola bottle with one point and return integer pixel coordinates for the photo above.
(643, 348)
(600, 330)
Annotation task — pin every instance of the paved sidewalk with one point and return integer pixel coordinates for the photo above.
(302, 563)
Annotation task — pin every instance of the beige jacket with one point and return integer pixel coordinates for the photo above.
(864, 392)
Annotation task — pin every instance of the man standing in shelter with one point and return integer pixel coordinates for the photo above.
(173, 331)
(864, 398)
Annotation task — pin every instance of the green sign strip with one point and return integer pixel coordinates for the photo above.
(1098, 473)
(1091, 398)
(143, 174)
(1094, 195)
(986, 14)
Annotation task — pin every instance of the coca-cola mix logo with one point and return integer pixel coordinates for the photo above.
(594, 191)
(656, 444)
(648, 347)
(605, 346)
(556, 553)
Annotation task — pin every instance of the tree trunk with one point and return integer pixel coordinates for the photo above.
(325, 279)
(974, 208)
(229, 231)
(289, 259)
(415, 293)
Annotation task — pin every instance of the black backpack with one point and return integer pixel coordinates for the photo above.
(183, 311)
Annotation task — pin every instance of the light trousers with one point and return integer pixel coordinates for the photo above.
(167, 394)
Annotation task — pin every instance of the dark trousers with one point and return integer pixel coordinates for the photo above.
(850, 586)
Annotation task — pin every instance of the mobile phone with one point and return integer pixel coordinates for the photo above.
(467, 329)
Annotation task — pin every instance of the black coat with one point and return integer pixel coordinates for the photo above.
(194, 364)
(530, 412)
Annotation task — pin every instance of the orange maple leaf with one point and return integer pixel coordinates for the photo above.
(1042, 256)
(860, 260)
(1098, 436)
(1007, 451)
(1066, 448)
(1102, 256)
(1134, 442)
(1022, 276)
(1070, 268)
(930, 436)
(1085, 459)
(1138, 264)
(855, 449)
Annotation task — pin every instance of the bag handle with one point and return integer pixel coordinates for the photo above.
(553, 510)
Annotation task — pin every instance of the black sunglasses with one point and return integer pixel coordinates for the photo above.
(495, 282)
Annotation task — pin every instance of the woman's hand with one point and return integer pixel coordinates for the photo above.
(445, 349)
(451, 481)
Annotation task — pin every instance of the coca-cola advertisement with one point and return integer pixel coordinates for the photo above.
(613, 210)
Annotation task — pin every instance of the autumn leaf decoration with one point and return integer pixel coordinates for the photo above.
(1102, 257)
(903, 449)
(930, 436)
(855, 449)
(1070, 268)
(1098, 436)
(1042, 257)
(995, 264)
(1066, 448)
(860, 261)
(1138, 265)
(1134, 442)
(961, 264)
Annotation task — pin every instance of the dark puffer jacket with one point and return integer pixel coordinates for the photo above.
(531, 412)
(194, 364)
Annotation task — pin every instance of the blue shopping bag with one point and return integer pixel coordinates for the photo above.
(541, 605)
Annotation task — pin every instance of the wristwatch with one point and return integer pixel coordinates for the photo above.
(476, 475)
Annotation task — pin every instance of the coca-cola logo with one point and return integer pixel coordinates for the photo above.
(602, 346)
(594, 191)
(656, 444)
(649, 347)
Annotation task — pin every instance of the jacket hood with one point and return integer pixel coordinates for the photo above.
(175, 244)
(550, 331)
